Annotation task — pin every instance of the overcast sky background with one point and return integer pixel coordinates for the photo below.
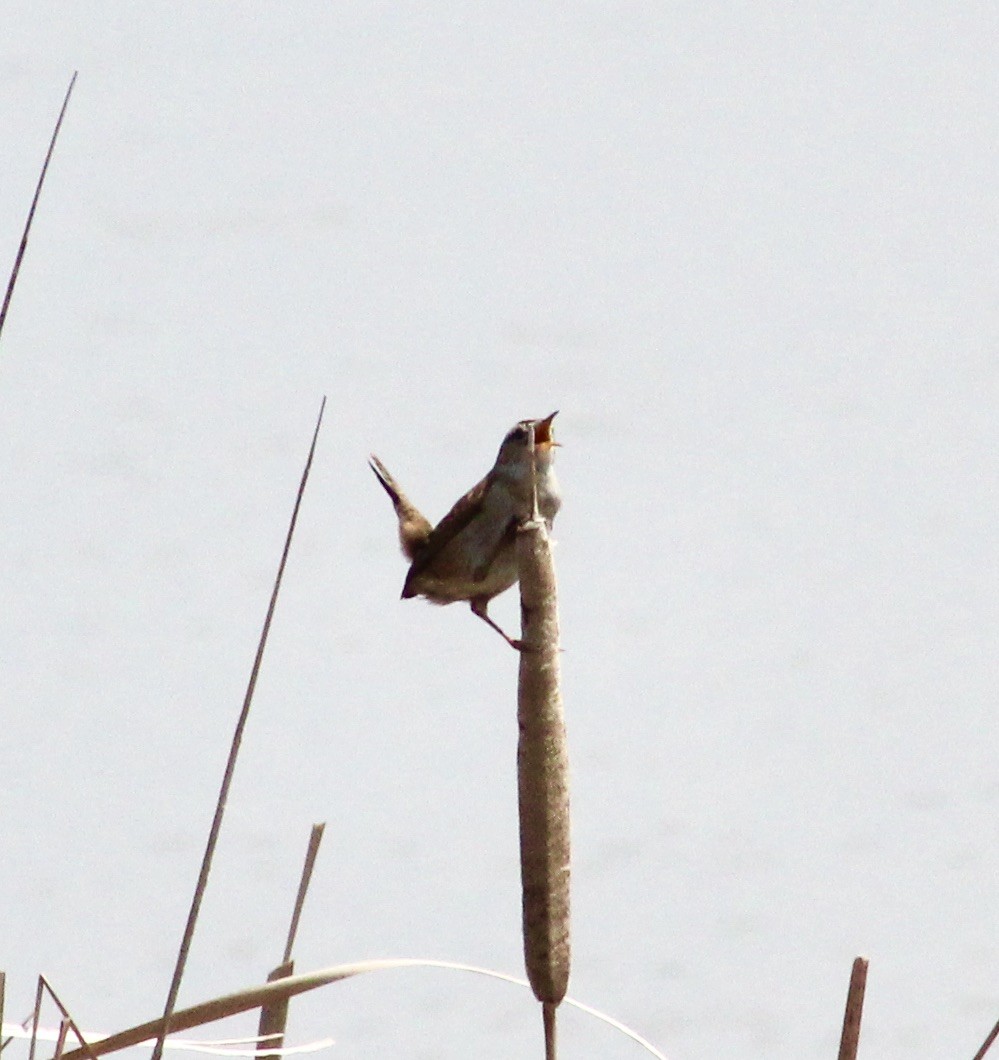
(751, 253)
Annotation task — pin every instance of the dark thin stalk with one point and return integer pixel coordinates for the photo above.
(34, 1019)
(850, 1038)
(274, 1016)
(548, 1015)
(230, 768)
(987, 1044)
(34, 202)
(61, 1039)
(67, 1019)
(315, 838)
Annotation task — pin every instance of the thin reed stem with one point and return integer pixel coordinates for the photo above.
(213, 835)
(987, 1044)
(548, 1016)
(315, 838)
(850, 1038)
(274, 1016)
(34, 203)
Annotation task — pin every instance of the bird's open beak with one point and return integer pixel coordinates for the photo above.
(543, 430)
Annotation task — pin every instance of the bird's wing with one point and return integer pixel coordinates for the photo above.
(447, 529)
(502, 541)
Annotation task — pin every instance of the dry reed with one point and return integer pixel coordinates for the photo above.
(850, 1038)
(19, 257)
(237, 739)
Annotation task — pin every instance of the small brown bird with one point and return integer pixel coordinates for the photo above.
(471, 554)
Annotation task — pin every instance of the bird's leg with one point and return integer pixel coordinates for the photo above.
(480, 605)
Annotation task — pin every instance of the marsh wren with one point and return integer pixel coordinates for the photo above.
(471, 553)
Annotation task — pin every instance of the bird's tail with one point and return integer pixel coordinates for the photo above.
(414, 528)
(389, 484)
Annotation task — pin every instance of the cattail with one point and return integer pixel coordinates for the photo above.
(542, 775)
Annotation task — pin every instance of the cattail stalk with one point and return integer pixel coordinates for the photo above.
(542, 776)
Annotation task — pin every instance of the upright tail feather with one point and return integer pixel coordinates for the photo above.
(414, 528)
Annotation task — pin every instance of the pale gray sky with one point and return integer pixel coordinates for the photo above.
(751, 253)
